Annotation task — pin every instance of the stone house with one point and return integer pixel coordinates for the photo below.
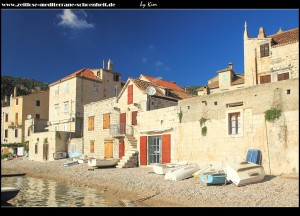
(68, 95)
(266, 59)
(111, 125)
(31, 106)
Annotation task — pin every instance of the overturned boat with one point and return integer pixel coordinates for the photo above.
(111, 162)
(162, 169)
(244, 173)
(182, 172)
(213, 177)
(7, 193)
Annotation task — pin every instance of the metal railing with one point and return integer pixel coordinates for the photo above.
(120, 129)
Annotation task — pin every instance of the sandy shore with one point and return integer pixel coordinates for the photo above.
(141, 187)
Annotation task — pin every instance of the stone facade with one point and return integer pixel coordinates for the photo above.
(278, 140)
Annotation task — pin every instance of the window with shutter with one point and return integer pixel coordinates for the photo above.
(133, 118)
(264, 50)
(92, 146)
(106, 121)
(130, 94)
(234, 123)
(283, 76)
(265, 79)
(91, 123)
(143, 150)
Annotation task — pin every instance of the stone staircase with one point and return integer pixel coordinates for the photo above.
(130, 159)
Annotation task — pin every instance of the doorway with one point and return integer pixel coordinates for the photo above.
(108, 150)
(154, 149)
(45, 151)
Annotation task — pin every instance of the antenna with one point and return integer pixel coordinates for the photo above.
(150, 90)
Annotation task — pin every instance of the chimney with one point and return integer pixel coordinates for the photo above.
(230, 66)
(15, 92)
(261, 33)
(110, 65)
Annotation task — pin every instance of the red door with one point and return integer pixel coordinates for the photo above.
(121, 148)
(166, 148)
(122, 123)
(143, 150)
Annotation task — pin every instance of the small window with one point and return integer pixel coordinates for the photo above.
(56, 90)
(95, 87)
(17, 101)
(288, 91)
(91, 123)
(264, 50)
(37, 103)
(234, 104)
(37, 116)
(234, 123)
(66, 87)
(215, 103)
(16, 119)
(6, 117)
(16, 133)
(283, 76)
(36, 148)
(116, 77)
(106, 121)
(265, 79)
(66, 107)
(6, 133)
(92, 146)
(98, 74)
(55, 109)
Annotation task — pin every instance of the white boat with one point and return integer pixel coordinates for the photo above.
(93, 162)
(244, 173)
(162, 169)
(8, 193)
(182, 172)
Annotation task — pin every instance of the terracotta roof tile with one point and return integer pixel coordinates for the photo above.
(85, 72)
(285, 37)
(173, 94)
(163, 83)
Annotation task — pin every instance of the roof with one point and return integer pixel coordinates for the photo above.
(85, 73)
(173, 94)
(236, 80)
(163, 83)
(285, 37)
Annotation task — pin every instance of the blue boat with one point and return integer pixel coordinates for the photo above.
(254, 156)
(213, 177)
(75, 154)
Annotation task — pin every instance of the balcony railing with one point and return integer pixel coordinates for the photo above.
(121, 129)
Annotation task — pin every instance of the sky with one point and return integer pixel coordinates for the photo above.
(187, 46)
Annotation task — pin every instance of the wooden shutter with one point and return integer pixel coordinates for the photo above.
(265, 79)
(91, 123)
(121, 148)
(283, 76)
(143, 150)
(106, 121)
(166, 148)
(92, 146)
(130, 94)
(133, 118)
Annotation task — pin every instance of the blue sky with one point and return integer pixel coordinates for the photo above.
(186, 46)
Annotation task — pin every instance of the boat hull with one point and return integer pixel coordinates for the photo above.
(181, 173)
(244, 173)
(162, 169)
(7, 193)
(213, 178)
(103, 162)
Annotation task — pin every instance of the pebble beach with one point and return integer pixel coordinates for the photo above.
(141, 187)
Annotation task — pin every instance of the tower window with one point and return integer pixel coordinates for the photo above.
(264, 50)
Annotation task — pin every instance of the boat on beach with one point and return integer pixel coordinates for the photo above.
(162, 169)
(213, 177)
(182, 172)
(71, 163)
(244, 173)
(7, 193)
(94, 162)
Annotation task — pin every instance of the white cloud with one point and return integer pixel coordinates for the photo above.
(75, 21)
(144, 60)
(158, 63)
(151, 47)
(167, 69)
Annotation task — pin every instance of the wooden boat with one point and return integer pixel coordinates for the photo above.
(93, 162)
(182, 172)
(244, 173)
(196, 174)
(71, 163)
(162, 169)
(8, 193)
(213, 177)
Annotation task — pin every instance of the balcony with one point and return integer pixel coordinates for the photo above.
(120, 130)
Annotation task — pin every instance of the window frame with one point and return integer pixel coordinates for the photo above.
(16, 133)
(91, 123)
(66, 107)
(239, 123)
(283, 76)
(36, 147)
(92, 146)
(263, 78)
(106, 123)
(264, 50)
(37, 103)
(56, 109)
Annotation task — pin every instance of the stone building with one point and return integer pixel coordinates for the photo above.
(111, 125)
(266, 59)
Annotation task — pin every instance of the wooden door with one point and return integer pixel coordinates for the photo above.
(108, 150)
(122, 123)
(45, 151)
(121, 148)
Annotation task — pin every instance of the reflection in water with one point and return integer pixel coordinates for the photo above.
(42, 192)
